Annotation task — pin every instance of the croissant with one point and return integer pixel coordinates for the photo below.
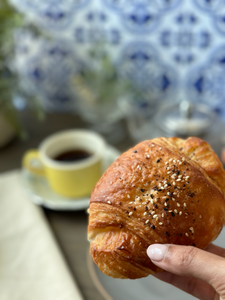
(165, 190)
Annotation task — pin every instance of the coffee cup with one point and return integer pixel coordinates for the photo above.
(71, 161)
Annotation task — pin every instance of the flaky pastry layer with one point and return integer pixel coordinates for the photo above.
(161, 191)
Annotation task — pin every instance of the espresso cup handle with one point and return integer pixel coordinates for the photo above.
(32, 162)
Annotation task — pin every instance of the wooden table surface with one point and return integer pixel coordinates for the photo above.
(69, 228)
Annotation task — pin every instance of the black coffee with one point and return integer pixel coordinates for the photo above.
(72, 155)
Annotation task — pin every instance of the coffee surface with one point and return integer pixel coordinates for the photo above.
(72, 155)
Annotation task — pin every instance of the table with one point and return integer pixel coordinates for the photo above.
(69, 228)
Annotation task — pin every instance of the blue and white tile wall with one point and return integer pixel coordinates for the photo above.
(168, 45)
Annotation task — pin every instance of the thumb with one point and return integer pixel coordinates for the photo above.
(190, 261)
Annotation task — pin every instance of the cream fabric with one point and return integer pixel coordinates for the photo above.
(31, 265)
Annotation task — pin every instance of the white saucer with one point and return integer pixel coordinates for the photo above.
(41, 194)
(144, 288)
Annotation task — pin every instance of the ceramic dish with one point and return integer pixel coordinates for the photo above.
(40, 192)
(145, 288)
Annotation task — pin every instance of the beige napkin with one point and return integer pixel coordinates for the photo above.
(31, 265)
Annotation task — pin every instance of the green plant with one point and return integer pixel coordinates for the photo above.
(100, 82)
(10, 20)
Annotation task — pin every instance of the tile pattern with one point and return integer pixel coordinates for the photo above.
(167, 45)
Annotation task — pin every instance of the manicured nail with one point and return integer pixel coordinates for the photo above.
(157, 252)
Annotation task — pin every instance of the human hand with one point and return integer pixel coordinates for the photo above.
(200, 273)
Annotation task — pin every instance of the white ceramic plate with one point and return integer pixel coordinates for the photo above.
(144, 288)
(40, 192)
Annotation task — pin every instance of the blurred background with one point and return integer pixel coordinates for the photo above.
(155, 66)
(129, 70)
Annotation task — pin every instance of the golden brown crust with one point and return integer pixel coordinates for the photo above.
(161, 191)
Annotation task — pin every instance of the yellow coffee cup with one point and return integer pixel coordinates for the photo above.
(71, 161)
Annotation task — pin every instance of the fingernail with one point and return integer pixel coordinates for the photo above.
(157, 252)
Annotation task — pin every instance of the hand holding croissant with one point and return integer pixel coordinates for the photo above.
(164, 191)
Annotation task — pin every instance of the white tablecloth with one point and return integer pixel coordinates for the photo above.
(31, 265)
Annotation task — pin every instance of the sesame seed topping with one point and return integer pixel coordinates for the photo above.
(110, 182)
(131, 202)
(128, 196)
(109, 202)
(168, 172)
(170, 210)
(170, 159)
(200, 216)
(160, 223)
(145, 213)
(153, 212)
(144, 203)
(180, 163)
(155, 216)
(180, 176)
(160, 184)
(173, 199)
(147, 155)
(180, 213)
(162, 215)
(152, 145)
(165, 186)
(178, 179)
(130, 213)
(186, 234)
(178, 204)
(165, 204)
(174, 161)
(160, 148)
(174, 183)
(166, 162)
(191, 229)
(185, 204)
(139, 168)
(175, 211)
(168, 193)
(147, 221)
